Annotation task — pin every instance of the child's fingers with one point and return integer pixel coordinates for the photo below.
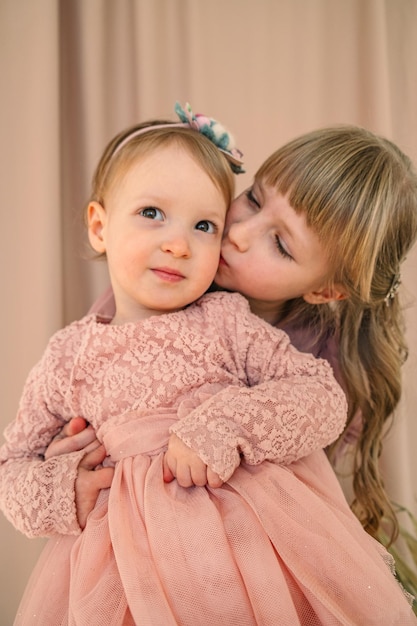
(213, 479)
(93, 458)
(198, 470)
(88, 485)
(64, 444)
(103, 477)
(74, 426)
(183, 475)
(168, 475)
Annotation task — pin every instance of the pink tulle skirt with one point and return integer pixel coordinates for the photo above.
(275, 546)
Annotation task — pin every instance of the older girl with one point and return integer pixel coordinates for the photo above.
(357, 193)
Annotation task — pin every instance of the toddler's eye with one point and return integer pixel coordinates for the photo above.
(152, 213)
(206, 226)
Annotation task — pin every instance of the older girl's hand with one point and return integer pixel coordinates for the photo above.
(90, 481)
(77, 435)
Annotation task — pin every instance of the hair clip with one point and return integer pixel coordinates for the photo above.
(393, 290)
(214, 131)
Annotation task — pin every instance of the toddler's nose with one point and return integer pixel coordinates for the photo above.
(177, 245)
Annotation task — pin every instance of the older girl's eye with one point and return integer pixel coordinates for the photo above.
(206, 226)
(283, 252)
(152, 213)
(250, 196)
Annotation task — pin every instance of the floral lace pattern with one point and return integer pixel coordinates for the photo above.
(277, 544)
(227, 383)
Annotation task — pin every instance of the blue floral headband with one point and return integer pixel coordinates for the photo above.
(207, 126)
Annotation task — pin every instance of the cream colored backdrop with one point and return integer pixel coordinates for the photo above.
(74, 72)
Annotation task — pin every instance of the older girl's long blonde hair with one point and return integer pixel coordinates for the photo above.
(359, 194)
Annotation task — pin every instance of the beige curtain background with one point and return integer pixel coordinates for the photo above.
(75, 72)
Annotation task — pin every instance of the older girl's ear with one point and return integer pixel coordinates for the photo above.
(327, 294)
(96, 221)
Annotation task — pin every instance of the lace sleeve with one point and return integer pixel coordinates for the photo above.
(291, 405)
(37, 496)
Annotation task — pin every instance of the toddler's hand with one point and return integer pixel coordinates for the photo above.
(182, 463)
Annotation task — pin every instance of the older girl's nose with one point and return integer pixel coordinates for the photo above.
(239, 234)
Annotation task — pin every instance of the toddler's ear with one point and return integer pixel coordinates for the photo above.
(327, 294)
(96, 220)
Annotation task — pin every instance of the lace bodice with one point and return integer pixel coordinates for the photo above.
(228, 384)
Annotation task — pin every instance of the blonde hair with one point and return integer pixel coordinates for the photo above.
(117, 159)
(358, 192)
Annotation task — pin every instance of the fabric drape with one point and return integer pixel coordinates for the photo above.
(74, 73)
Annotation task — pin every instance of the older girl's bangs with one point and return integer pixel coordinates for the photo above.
(301, 172)
(332, 176)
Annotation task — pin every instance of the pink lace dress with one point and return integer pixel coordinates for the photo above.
(277, 544)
